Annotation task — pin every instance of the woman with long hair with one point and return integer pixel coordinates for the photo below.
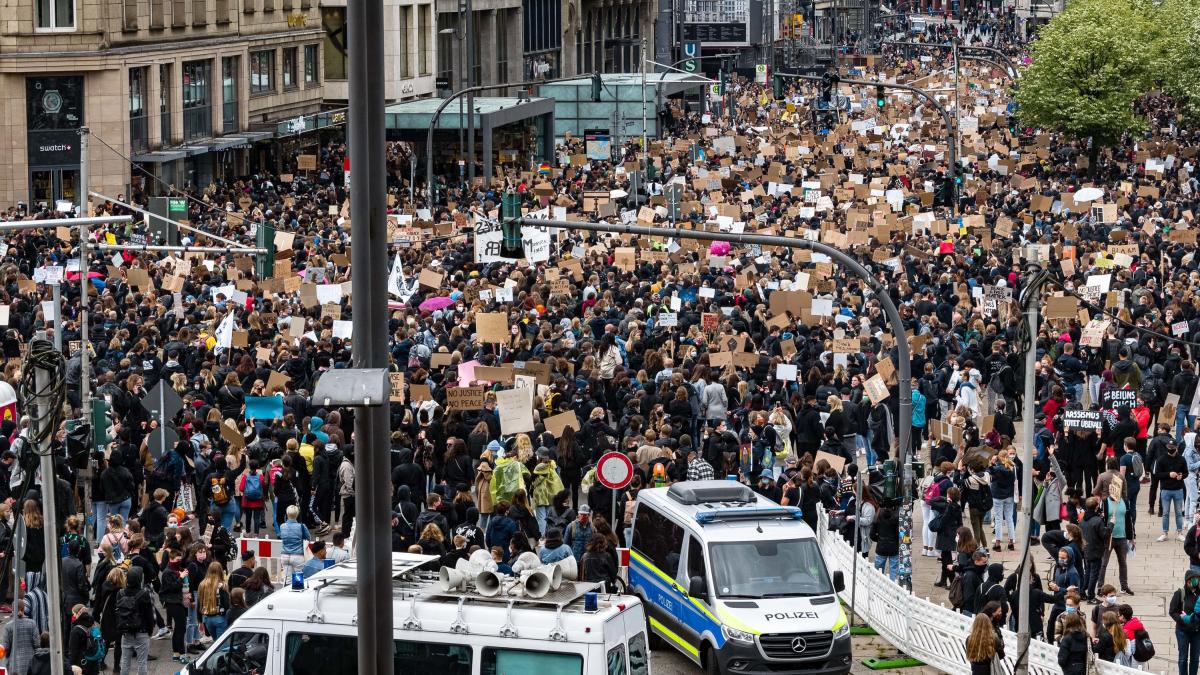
(213, 600)
(1074, 646)
(35, 547)
(947, 508)
(985, 645)
(258, 586)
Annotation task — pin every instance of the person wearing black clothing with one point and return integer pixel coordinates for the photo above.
(154, 519)
(1156, 449)
(174, 584)
(117, 484)
(1171, 470)
(1073, 647)
(241, 574)
(1095, 541)
(77, 641)
(972, 583)
(809, 430)
(1187, 622)
(1038, 599)
(886, 535)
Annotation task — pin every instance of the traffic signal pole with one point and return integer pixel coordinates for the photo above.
(904, 356)
(952, 170)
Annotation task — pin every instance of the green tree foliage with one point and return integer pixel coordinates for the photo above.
(1175, 37)
(1088, 66)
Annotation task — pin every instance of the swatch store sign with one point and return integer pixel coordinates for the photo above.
(53, 148)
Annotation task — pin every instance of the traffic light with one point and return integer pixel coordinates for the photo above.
(596, 86)
(828, 80)
(880, 101)
(777, 87)
(265, 263)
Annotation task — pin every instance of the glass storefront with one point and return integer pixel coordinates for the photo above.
(54, 113)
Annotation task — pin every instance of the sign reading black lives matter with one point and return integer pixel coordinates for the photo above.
(1082, 419)
(1119, 398)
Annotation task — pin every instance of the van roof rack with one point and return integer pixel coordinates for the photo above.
(696, 492)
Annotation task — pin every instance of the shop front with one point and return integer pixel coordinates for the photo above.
(54, 114)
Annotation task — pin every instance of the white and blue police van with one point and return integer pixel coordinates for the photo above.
(736, 582)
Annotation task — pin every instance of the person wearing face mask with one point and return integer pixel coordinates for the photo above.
(1171, 471)
(1108, 603)
(1187, 622)
(1122, 535)
(1071, 608)
(1065, 580)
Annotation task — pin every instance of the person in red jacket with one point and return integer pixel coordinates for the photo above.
(1141, 414)
(252, 486)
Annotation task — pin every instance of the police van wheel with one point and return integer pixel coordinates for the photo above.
(711, 666)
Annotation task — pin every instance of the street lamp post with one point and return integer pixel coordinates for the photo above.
(903, 368)
(951, 149)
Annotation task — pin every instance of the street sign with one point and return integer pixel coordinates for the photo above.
(691, 52)
(761, 74)
(614, 470)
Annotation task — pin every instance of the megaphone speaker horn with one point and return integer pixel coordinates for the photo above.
(450, 579)
(488, 584)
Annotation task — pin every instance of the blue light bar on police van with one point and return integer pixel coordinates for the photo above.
(750, 513)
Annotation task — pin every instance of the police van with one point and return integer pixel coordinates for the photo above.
(438, 631)
(736, 582)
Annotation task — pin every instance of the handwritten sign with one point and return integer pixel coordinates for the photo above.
(464, 398)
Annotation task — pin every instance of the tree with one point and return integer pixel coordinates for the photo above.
(1089, 65)
(1175, 34)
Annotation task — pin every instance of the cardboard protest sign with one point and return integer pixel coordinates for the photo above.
(559, 423)
(492, 327)
(464, 398)
(396, 380)
(515, 407)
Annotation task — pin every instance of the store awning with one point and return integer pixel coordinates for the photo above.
(159, 156)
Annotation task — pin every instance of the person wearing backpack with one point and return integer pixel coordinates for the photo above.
(939, 482)
(85, 645)
(1132, 468)
(135, 618)
(1136, 633)
(252, 486)
(1187, 623)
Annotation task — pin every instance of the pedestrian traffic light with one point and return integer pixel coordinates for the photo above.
(827, 81)
(596, 85)
(777, 87)
(880, 101)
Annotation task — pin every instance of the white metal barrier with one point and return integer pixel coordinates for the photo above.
(921, 629)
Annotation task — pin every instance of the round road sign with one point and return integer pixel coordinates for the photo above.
(614, 470)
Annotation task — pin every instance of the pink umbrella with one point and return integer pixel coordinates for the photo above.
(434, 304)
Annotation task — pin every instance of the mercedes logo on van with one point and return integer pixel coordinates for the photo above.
(799, 644)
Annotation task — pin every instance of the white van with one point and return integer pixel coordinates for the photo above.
(736, 582)
(312, 631)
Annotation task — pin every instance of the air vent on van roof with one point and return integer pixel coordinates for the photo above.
(695, 492)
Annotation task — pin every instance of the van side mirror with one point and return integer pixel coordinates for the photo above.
(697, 588)
(839, 581)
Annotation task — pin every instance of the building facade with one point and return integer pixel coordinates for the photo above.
(409, 49)
(497, 44)
(174, 92)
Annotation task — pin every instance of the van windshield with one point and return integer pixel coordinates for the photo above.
(769, 569)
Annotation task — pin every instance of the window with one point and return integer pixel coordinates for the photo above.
(239, 652)
(333, 20)
(658, 539)
(312, 653)
(404, 29)
(55, 14)
(504, 661)
(289, 68)
(268, 5)
(695, 560)
(139, 121)
(310, 65)
(760, 569)
(157, 13)
(476, 57)
(445, 50)
(616, 660)
(502, 46)
(424, 26)
(639, 663)
(197, 100)
(164, 103)
(130, 14)
(262, 72)
(229, 94)
(178, 13)
(222, 11)
(199, 12)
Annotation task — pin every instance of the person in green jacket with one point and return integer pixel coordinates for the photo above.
(508, 476)
(546, 484)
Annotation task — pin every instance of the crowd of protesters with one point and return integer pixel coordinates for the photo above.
(663, 349)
